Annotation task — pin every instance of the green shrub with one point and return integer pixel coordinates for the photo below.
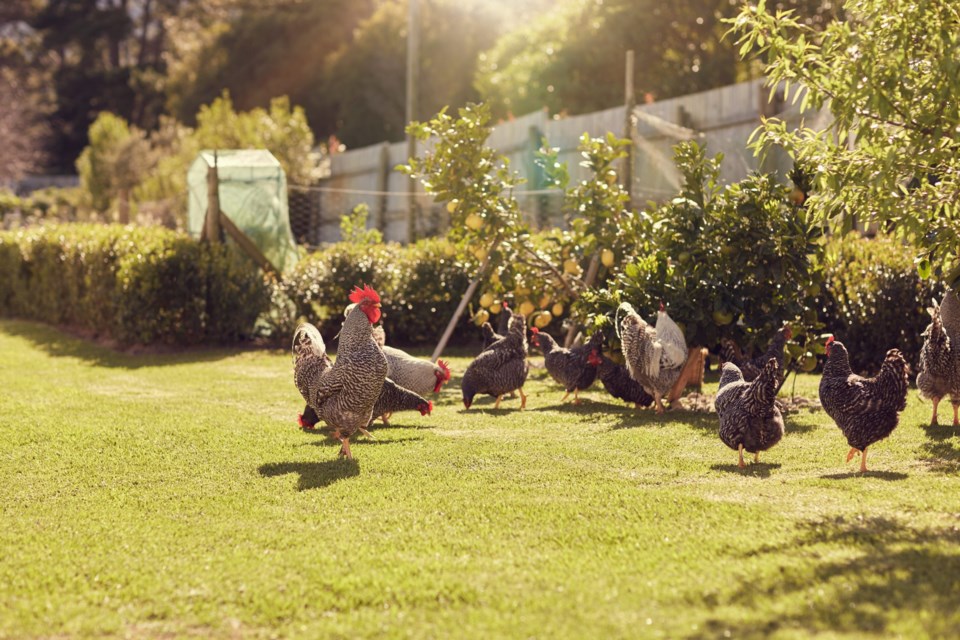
(420, 286)
(733, 261)
(874, 299)
(136, 285)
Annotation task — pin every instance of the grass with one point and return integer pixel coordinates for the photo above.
(173, 495)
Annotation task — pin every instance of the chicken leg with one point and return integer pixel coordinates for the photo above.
(523, 398)
(576, 396)
(741, 463)
(565, 396)
(933, 420)
(956, 418)
(344, 445)
(367, 433)
(497, 405)
(863, 461)
(756, 458)
(658, 398)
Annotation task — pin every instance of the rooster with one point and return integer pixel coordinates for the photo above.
(502, 368)
(749, 417)
(751, 368)
(344, 394)
(657, 357)
(939, 373)
(618, 383)
(576, 368)
(866, 409)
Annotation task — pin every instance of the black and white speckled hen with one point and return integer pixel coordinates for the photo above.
(751, 367)
(617, 381)
(866, 409)
(575, 368)
(343, 396)
(392, 398)
(939, 371)
(502, 368)
(749, 417)
(657, 357)
(310, 361)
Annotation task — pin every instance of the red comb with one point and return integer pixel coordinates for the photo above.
(534, 330)
(429, 407)
(446, 369)
(505, 305)
(300, 421)
(359, 295)
(830, 340)
(661, 305)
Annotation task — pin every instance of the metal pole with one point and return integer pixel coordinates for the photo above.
(629, 102)
(413, 87)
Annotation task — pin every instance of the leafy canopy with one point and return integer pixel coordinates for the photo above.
(889, 76)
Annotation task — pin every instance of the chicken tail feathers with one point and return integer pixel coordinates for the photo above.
(307, 341)
(766, 385)
(894, 378)
(674, 344)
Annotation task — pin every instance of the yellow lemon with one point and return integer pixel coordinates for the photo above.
(542, 319)
(557, 309)
(474, 221)
(452, 205)
(544, 302)
(480, 254)
(570, 266)
(607, 258)
(526, 307)
(481, 317)
(486, 299)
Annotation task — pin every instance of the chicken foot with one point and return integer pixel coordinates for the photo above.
(863, 457)
(523, 398)
(344, 445)
(565, 396)
(658, 399)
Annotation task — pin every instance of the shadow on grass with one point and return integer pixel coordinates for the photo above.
(59, 343)
(753, 469)
(943, 454)
(890, 570)
(879, 475)
(361, 441)
(313, 475)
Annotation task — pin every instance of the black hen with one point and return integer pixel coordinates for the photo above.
(618, 383)
(866, 409)
(749, 418)
(576, 368)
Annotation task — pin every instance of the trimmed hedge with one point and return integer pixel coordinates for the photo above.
(420, 286)
(133, 284)
(874, 300)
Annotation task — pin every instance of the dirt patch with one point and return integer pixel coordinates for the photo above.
(703, 403)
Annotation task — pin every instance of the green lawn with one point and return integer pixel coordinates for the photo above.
(173, 496)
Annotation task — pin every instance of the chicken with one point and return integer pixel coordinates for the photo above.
(750, 368)
(419, 376)
(939, 370)
(576, 368)
(749, 417)
(502, 368)
(658, 358)
(618, 383)
(866, 409)
(379, 335)
(395, 398)
(310, 360)
(392, 398)
(489, 335)
(343, 395)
